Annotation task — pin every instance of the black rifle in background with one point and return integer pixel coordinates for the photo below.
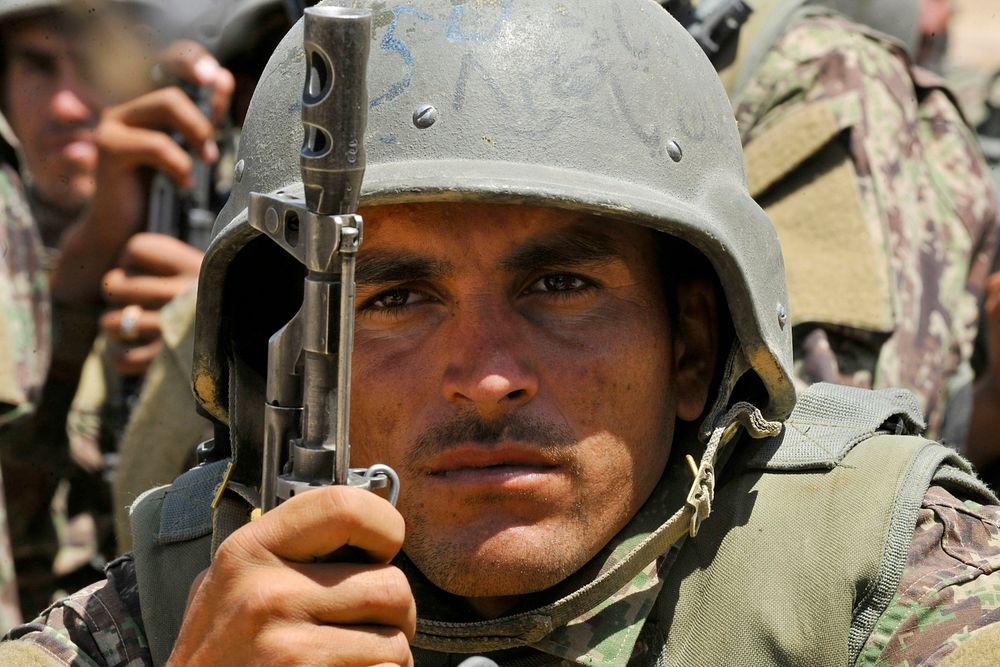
(184, 214)
(187, 215)
(295, 9)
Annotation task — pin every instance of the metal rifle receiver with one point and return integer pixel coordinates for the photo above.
(307, 406)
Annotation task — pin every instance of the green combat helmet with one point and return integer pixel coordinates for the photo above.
(18, 9)
(225, 27)
(458, 112)
(453, 116)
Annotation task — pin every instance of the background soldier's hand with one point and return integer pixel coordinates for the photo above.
(152, 270)
(133, 137)
(265, 601)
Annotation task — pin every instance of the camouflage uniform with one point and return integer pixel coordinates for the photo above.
(946, 596)
(25, 326)
(848, 110)
(36, 451)
(613, 630)
(24, 345)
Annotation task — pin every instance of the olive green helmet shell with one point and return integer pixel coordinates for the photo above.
(603, 107)
(225, 27)
(18, 9)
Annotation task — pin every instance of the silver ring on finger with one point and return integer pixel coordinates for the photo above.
(128, 328)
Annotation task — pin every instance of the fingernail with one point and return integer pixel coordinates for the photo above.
(206, 69)
(211, 152)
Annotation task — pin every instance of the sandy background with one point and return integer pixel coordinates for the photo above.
(975, 38)
(974, 52)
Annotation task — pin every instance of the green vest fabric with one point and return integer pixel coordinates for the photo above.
(805, 546)
(795, 567)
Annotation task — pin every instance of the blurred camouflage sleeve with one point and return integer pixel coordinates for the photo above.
(948, 599)
(24, 303)
(925, 198)
(24, 344)
(99, 625)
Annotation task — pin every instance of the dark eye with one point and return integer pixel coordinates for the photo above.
(559, 282)
(395, 299)
(39, 63)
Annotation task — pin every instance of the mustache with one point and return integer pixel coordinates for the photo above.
(469, 427)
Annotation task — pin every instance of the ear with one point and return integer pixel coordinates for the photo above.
(696, 340)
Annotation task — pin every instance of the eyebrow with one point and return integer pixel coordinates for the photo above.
(399, 267)
(33, 55)
(576, 246)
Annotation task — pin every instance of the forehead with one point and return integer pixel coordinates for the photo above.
(47, 33)
(460, 228)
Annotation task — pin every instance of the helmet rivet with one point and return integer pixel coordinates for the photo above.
(674, 151)
(782, 315)
(238, 171)
(271, 220)
(424, 116)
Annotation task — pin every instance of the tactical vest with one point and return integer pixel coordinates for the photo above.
(804, 548)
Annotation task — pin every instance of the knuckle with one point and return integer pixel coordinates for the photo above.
(163, 144)
(109, 320)
(389, 592)
(236, 551)
(398, 647)
(344, 503)
(173, 96)
(104, 131)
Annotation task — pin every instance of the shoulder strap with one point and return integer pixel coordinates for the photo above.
(171, 540)
(829, 420)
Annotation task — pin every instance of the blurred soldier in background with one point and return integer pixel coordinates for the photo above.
(159, 442)
(881, 199)
(64, 64)
(24, 334)
(52, 104)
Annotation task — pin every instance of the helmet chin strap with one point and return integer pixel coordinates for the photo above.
(529, 627)
(719, 428)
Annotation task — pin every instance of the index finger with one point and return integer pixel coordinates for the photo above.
(190, 61)
(316, 523)
(157, 254)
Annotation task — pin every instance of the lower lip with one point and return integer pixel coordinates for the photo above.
(79, 150)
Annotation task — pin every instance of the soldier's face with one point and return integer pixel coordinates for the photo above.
(53, 109)
(516, 366)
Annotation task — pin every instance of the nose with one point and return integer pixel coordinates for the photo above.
(69, 105)
(488, 368)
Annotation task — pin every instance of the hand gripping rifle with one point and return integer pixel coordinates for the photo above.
(187, 215)
(309, 359)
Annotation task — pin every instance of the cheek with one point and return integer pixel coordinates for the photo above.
(630, 395)
(388, 391)
(618, 370)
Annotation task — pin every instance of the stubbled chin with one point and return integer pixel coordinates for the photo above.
(513, 560)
